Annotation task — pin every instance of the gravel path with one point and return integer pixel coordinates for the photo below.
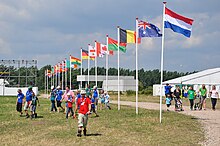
(209, 119)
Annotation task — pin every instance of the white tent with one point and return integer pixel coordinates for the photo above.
(208, 77)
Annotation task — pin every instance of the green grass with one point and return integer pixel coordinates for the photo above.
(156, 99)
(113, 127)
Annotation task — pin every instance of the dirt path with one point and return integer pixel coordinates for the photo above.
(209, 119)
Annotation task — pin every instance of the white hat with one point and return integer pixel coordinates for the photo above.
(68, 94)
(83, 92)
(58, 87)
(52, 87)
(94, 87)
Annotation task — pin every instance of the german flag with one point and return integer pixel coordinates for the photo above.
(85, 55)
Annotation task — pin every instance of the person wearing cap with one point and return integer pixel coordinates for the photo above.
(52, 99)
(65, 97)
(19, 101)
(29, 95)
(59, 94)
(84, 110)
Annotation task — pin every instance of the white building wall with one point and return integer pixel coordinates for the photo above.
(12, 91)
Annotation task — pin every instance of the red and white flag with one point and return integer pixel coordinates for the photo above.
(104, 49)
(92, 52)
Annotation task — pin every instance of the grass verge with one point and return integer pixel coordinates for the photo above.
(113, 127)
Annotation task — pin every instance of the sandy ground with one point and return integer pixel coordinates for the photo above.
(209, 119)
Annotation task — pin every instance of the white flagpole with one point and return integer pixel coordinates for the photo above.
(88, 64)
(59, 75)
(107, 53)
(137, 65)
(81, 70)
(62, 73)
(51, 77)
(118, 69)
(45, 81)
(56, 77)
(66, 69)
(70, 72)
(161, 67)
(96, 65)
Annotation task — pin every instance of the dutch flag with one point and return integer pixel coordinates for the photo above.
(177, 23)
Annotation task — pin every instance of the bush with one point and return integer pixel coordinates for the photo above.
(130, 92)
(147, 91)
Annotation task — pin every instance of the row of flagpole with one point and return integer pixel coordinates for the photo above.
(137, 23)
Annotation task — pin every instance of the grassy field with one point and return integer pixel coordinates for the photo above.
(113, 127)
(156, 99)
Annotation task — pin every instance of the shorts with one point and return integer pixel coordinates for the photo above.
(33, 108)
(203, 97)
(26, 105)
(82, 120)
(19, 107)
(96, 101)
(168, 105)
(59, 103)
(93, 110)
(103, 100)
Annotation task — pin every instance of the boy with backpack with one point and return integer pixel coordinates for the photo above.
(33, 106)
(52, 99)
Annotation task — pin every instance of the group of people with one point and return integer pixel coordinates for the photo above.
(30, 102)
(86, 102)
(197, 99)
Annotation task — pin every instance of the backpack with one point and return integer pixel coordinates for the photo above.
(34, 100)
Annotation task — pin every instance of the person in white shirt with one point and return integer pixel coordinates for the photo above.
(214, 96)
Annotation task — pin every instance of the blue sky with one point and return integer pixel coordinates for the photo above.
(51, 30)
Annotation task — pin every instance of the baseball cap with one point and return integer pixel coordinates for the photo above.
(83, 92)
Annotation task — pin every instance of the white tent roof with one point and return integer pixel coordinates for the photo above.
(209, 76)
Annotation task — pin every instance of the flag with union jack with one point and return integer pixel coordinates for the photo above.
(146, 29)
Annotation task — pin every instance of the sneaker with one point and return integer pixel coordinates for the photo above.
(84, 132)
(27, 116)
(79, 133)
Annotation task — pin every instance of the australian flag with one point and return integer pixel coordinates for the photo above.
(146, 29)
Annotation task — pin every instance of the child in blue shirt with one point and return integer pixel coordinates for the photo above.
(19, 101)
(59, 94)
(93, 105)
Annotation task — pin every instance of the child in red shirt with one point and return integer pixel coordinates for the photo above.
(69, 105)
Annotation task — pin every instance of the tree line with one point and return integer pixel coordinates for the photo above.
(146, 77)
